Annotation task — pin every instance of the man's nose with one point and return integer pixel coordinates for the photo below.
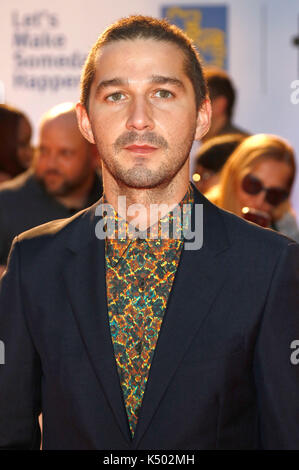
(52, 160)
(140, 115)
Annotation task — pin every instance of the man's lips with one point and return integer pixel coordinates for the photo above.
(141, 149)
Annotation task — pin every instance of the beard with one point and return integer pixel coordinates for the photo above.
(140, 176)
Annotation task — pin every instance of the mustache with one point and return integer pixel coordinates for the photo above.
(132, 137)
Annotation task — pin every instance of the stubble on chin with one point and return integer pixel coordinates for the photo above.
(140, 176)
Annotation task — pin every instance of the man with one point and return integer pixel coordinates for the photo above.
(63, 179)
(223, 96)
(137, 342)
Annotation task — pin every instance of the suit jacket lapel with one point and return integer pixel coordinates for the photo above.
(199, 278)
(86, 286)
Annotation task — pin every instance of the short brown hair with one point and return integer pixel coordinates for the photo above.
(145, 27)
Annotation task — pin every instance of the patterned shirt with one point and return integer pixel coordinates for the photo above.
(139, 277)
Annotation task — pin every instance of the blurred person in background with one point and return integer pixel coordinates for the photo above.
(258, 177)
(62, 180)
(223, 97)
(210, 159)
(16, 152)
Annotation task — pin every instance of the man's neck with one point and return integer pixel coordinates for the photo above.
(79, 196)
(125, 199)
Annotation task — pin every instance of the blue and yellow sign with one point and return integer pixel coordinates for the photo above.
(206, 26)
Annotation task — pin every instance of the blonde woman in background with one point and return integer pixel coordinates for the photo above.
(259, 175)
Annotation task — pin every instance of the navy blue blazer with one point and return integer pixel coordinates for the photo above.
(221, 376)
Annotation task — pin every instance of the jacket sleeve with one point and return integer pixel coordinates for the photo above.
(276, 372)
(20, 370)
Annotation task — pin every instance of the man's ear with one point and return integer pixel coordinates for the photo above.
(84, 123)
(203, 121)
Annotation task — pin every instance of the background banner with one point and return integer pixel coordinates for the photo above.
(206, 26)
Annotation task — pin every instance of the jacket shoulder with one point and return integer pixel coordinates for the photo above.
(55, 229)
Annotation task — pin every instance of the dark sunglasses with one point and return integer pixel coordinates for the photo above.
(253, 185)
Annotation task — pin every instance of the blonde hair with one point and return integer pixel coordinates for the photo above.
(250, 152)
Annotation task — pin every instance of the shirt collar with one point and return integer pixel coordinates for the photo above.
(116, 247)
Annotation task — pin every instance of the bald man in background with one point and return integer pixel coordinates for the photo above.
(63, 179)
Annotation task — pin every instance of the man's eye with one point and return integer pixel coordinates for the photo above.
(115, 97)
(163, 94)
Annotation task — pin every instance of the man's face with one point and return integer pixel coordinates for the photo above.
(142, 113)
(63, 162)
